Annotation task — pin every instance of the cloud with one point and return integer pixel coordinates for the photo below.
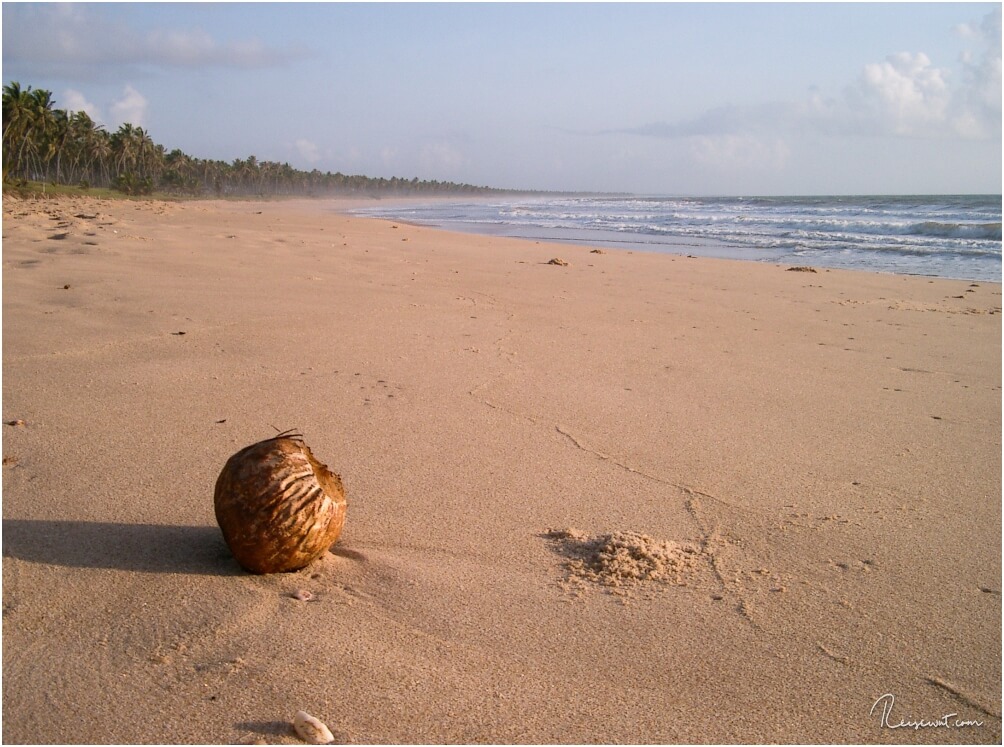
(131, 108)
(308, 150)
(389, 156)
(196, 47)
(76, 40)
(981, 90)
(739, 152)
(721, 120)
(441, 158)
(74, 101)
(904, 95)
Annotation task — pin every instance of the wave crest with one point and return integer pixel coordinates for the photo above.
(988, 231)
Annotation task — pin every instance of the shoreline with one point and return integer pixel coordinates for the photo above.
(882, 257)
(805, 468)
(348, 205)
(719, 250)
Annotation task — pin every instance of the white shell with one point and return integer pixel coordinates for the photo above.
(311, 730)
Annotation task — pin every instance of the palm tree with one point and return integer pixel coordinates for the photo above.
(83, 147)
(149, 156)
(56, 144)
(124, 149)
(14, 106)
(16, 122)
(99, 153)
(179, 172)
(42, 125)
(27, 120)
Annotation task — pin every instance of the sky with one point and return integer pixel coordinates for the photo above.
(648, 98)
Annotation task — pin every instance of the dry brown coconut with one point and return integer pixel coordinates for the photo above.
(278, 507)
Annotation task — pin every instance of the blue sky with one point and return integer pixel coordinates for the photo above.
(665, 98)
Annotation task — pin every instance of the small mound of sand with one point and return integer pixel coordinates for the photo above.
(623, 558)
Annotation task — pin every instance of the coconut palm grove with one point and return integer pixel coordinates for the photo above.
(43, 144)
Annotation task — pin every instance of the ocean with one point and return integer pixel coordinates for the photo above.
(948, 236)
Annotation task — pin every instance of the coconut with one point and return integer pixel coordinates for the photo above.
(278, 507)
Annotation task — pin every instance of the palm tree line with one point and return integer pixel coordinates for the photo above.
(44, 144)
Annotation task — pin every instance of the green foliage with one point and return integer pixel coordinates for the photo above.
(131, 184)
(44, 144)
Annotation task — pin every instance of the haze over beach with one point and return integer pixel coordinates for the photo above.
(663, 458)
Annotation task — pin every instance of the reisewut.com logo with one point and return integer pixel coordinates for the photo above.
(883, 708)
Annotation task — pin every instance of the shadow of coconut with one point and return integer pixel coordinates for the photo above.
(143, 548)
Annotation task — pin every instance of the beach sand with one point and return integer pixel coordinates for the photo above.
(633, 498)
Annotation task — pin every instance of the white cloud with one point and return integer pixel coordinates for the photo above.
(979, 100)
(441, 158)
(740, 152)
(180, 47)
(389, 156)
(308, 150)
(74, 101)
(189, 48)
(905, 95)
(131, 108)
(77, 40)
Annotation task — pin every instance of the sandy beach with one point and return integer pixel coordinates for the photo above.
(634, 498)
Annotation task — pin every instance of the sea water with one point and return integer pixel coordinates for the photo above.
(949, 236)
